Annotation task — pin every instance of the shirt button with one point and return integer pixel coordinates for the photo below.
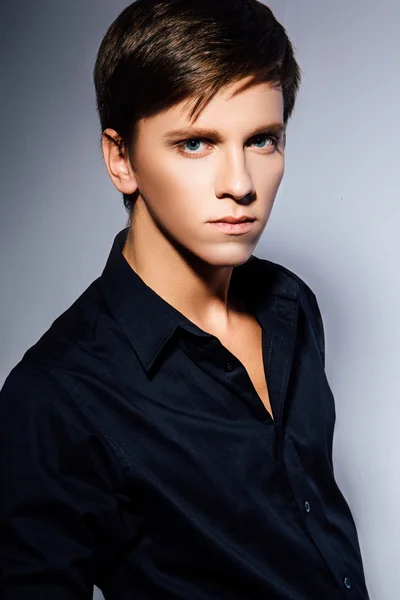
(228, 367)
(347, 582)
(307, 507)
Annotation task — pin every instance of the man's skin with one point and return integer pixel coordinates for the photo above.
(190, 179)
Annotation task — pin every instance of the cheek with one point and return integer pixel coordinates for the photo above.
(171, 192)
(267, 176)
(279, 176)
(171, 178)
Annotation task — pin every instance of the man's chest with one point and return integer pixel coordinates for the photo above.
(245, 342)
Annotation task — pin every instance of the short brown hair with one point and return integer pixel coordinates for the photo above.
(158, 53)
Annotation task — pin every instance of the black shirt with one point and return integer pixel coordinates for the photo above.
(137, 456)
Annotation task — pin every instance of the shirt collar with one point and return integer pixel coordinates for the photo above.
(148, 321)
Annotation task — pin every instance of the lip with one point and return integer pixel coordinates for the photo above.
(230, 219)
(235, 228)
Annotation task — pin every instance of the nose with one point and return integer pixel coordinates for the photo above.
(233, 178)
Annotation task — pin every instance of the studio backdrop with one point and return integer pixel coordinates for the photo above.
(335, 221)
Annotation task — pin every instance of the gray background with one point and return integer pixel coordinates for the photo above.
(335, 221)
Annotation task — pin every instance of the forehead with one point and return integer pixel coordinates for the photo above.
(231, 108)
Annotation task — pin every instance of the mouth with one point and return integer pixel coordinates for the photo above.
(233, 228)
(234, 220)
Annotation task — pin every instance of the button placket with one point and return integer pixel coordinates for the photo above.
(301, 490)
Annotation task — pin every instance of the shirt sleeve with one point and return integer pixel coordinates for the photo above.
(58, 513)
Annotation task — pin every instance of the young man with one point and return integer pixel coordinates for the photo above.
(170, 435)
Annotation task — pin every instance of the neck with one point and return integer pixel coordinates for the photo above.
(199, 291)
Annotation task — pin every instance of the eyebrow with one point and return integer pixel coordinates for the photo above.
(273, 129)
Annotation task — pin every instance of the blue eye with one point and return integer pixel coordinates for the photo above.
(261, 140)
(192, 145)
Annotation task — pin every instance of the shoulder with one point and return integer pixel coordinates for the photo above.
(283, 278)
(33, 404)
(35, 391)
(286, 281)
(34, 395)
(78, 323)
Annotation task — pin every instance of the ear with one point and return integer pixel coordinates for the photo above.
(117, 162)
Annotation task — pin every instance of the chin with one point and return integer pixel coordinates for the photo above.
(225, 254)
(232, 255)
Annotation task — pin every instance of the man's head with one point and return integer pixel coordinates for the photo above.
(160, 54)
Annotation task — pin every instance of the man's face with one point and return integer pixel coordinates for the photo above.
(233, 167)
